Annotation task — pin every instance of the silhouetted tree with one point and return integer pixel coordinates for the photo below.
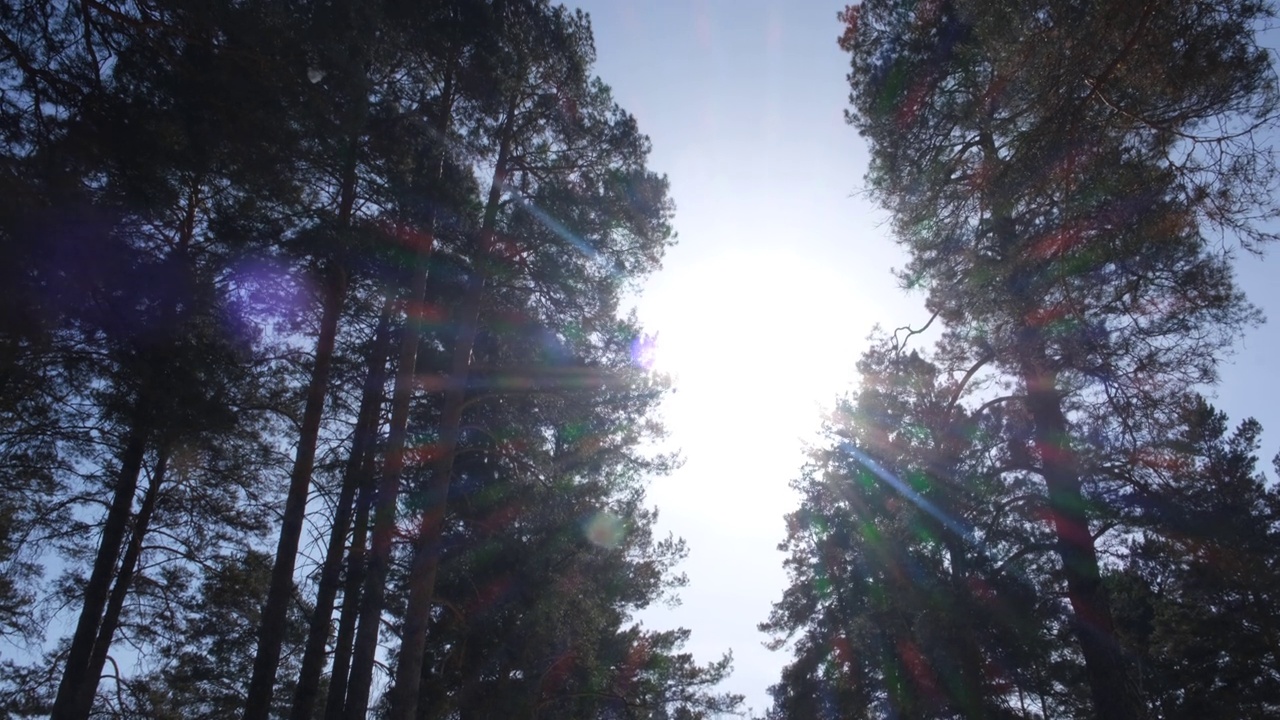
(916, 563)
(1055, 171)
(1195, 599)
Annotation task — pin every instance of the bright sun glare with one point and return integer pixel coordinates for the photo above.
(758, 343)
(754, 339)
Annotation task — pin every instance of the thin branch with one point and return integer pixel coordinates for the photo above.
(987, 357)
(899, 346)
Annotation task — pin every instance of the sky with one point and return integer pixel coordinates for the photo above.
(781, 270)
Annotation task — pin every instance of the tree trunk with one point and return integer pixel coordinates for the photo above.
(80, 655)
(384, 511)
(275, 611)
(971, 693)
(365, 646)
(1115, 695)
(313, 657)
(426, 546)
(343, 644)
(75, 676)
(128, 566)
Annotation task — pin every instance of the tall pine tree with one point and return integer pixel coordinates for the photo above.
(1055, 171)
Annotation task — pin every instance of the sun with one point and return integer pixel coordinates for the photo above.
(759, 342)
(755, 338)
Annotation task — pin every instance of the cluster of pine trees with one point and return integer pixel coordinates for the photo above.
(315, 396)
(1038, 517)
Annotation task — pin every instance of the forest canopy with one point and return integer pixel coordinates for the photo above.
(317, 393)
(1039, 516)
(322, 396)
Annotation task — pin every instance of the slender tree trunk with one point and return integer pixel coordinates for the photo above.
(365, 646)
(971, 691)
(1115, 695)
(275, 611)
(119, 593)
(313, 657)
(384, 511)
(343, 645)
(80, 654)
(75, 676)
(426, 546)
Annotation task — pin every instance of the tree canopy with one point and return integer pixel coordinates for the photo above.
(307, 304)
(1060, 175)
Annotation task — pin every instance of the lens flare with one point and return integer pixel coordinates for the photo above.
(605, 530)
(644, 351)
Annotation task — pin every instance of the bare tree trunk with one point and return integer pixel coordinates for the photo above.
(76, 674)
(971, 695)
(426, 547)
(372, 598)
(1115, 695)
(115, 605)
(384, 511)
(344, 643)
(275, 611)
(313, 657)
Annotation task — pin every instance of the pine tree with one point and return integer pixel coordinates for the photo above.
(1195, 598)
(914, 557)
(547, 547)
(1054, 171)
(137, 196)
(568, 182)
(169, 169)
(204, 665)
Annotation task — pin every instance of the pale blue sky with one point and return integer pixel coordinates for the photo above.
(781, 270)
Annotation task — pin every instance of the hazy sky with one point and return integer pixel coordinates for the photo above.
(779, 275)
